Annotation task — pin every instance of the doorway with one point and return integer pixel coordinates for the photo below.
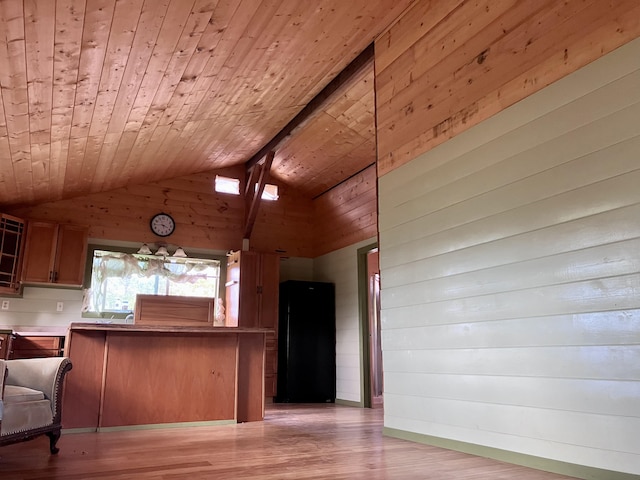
(369, 292)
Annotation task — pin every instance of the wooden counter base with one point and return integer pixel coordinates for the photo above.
(144, 375)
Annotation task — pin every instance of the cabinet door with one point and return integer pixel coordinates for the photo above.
(11, 253)
(269, 287)
(40, 252)
(55, 254)
(232, 290)
(36, 347)
(5, 345)
(252, 289)
(249, 314)
(71, 254)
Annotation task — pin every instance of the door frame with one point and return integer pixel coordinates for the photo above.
(363, 307)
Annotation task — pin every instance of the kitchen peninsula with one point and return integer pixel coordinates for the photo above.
(128, 375)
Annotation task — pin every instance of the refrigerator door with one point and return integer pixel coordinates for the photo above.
(306, 356)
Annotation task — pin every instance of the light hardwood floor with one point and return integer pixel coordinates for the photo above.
(293, 442)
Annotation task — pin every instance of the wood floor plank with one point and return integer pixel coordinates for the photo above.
(294, 442)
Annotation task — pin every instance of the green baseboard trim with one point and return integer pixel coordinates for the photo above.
(349, 403)
(539, 463)
(157, 426)
(71, 431)
(151, 426)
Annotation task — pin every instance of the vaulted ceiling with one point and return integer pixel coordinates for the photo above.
(101, 94)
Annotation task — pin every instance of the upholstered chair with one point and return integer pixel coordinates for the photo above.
(31, 399)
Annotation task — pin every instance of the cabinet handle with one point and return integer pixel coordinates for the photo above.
(51, 276)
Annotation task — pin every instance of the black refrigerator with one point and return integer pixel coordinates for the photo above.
(306, 342)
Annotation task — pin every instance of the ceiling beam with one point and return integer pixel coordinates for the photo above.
(360, 62)
(253, 195)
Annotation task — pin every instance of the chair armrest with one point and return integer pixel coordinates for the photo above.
(3, 375)
(43, 374)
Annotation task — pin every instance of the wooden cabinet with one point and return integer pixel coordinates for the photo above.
(252, 301)
(172, 311)
(11, 250)
(6, 336)
(55, 254)
(252, 289)
(37, 346)
(155, 375)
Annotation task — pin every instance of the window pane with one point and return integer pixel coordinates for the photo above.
(118, 277)
(270, 192)
(227, 185)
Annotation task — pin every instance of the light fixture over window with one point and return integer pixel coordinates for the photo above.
(162, 251)
(144, 250)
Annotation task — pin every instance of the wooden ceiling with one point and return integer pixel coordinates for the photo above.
(101, 94)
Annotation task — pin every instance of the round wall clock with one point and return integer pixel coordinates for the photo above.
(162, 224)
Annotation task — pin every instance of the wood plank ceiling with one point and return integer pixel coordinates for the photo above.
(101, 94)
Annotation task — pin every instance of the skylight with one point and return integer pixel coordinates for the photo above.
(232, 186)
(227, 185)
(270, 192)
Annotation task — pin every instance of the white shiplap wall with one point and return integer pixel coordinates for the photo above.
(341, 268)
(510, 259)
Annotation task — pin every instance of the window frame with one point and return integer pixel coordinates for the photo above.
(92, 247)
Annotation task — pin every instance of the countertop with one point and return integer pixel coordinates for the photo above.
(114, 327)
(32, 331)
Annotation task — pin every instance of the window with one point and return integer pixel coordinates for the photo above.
(227, 185)
(270, 192)
(232, 186)
(116, 279)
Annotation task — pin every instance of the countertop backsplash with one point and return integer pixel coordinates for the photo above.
(39, 309)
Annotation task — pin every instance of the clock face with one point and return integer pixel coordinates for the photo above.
(162, 224)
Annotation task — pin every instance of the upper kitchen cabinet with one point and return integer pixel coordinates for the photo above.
(252, 289)
(55, 254)
(11, 243)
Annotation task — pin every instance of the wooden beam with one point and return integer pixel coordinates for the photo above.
(305, 114)
(253, 195)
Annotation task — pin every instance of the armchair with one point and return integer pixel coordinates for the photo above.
(31, 399)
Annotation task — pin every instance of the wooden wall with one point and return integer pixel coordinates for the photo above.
(509, 254)
(205, 219)
(286, 225)
(447, 65)
(346, 214)
(294, 225)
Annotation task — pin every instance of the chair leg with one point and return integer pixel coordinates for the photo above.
(53, 439)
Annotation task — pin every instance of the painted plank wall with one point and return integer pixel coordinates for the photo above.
(510, 287)
(340, 267)
(37, 307)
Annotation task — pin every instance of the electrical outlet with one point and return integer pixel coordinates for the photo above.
(5, 304)
(60, 307)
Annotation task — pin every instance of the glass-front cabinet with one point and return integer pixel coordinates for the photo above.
(11, 243)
